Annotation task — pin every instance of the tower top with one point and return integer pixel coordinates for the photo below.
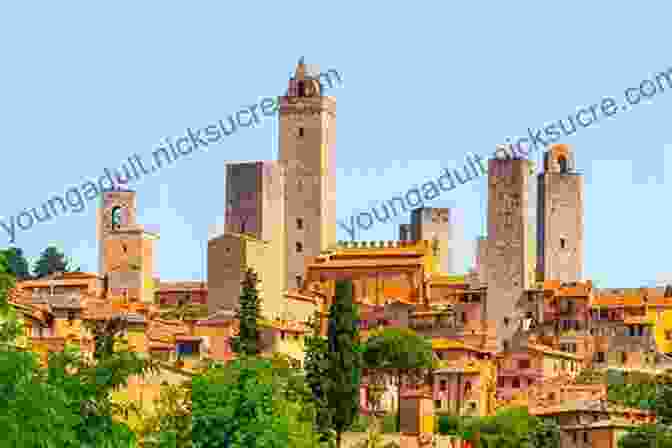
(559, 159)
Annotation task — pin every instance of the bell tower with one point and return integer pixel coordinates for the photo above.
(126, 250)
(560, 217)
(307, 134)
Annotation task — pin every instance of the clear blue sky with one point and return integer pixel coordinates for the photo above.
(82, 87)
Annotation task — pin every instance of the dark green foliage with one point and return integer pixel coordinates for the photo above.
(51, 260)
(647, 436)
(332, 367)
(17, 263)
(448, 424)
(511, 427)
(247, 340)
(245, 404)
(399, 352)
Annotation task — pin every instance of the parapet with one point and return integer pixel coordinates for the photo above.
(389, 244)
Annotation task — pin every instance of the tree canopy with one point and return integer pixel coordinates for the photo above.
(51, 260)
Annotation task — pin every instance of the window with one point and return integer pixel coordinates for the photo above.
(563, 243)
(302, 88)
(562, 161)
(506, 321)
(299, 223)
(575, 437)
(299, 281)
(71, 317)
(500, 382)
(299, 247)
(437, 404)
(443, 385)
(467, 387)
(300, 132)
(299, 186)
(439, 355)
(463, 316)
(282, 335)
(516, 383)
(600, 357)
(524, 364)
(506, 345)
(624, 357)
(585, 437)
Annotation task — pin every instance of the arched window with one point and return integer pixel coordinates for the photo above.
(562, 161)
(116, 217)
(467, 388)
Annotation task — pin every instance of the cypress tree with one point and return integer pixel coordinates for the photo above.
(246, 342)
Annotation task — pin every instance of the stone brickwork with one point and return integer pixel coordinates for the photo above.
(433, 224)
(307, 134)
(560, 217)
(508, 255)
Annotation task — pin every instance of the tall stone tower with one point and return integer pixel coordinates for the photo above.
(433, 224)
(560, 217)
(508, 258)
(126, 250)
(307, 148)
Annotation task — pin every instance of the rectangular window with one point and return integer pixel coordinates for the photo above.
(300, 132)
(563, 243)
(443, 385)
(299, 223)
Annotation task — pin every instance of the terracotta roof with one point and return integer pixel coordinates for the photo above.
(181, 286)
(550, 351)
(164, 330)
(345, 264)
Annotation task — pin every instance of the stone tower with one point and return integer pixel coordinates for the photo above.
(307, 134)
(126, 250)
(433, 224)
(560, 217)
(507, 258)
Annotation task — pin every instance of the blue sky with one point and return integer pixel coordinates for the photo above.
(84, 87)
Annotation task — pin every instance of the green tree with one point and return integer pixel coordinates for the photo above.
(51, 260)
(245, 404)
(647, 436)
(342, 391)
(17, 263)
(247, 339)
(400, 353)
(316, 367)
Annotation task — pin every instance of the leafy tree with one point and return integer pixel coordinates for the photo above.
(342, 391)
(316, 367)
(169, 425)
(399, 352)
(247, 340)
(545, 434)
(17, 263)
(511, 427)
(51, 260)
(245, 404)
(10, 326)
(647, 436)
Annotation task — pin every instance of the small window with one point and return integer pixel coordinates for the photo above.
(585, 437)
(524, 363)
(299, 185)
(506, 321)
(624, 357)
(299, 223)
(300, 132)
(299, 281)
(443, 385)
(282, 335)
(506, 345)
(563, 243)
(516, 383)
(299, 247)
(437, 404)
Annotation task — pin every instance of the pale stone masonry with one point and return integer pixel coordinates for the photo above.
(560, 217)
(433, 224)
(307, 133)
(508, 266)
